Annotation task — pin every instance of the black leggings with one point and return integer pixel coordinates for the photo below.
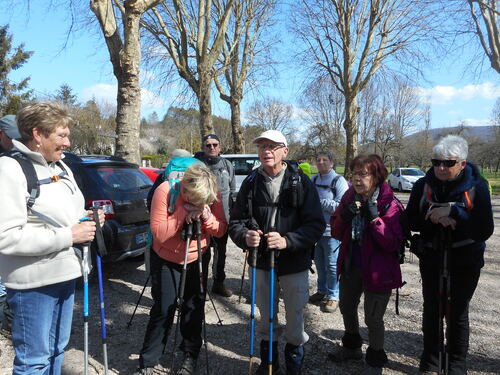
(165, 281)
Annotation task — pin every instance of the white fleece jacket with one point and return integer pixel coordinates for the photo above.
(34, 253)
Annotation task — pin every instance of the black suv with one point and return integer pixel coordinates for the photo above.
(120, 189)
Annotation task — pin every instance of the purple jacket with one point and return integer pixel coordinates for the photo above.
(381, 239)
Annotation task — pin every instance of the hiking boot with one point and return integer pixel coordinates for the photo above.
(188, 366)
(317, 297)
(144, 371)
(343, 353)
(372, 371)
(263, 368)
(375, 358)
(330, 306)
(294, 357)
(220, 289)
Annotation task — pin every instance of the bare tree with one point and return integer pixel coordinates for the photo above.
(249, 19)
(270, 114)
(119, 22)
(192, 32)
(352, 40)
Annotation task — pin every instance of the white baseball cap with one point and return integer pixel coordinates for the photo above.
(273, 135)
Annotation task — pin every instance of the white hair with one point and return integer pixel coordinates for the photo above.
(451, 146)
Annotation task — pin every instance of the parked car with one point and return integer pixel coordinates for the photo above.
(404, 178)
(120, 189)
(243, 164)
(151, 172)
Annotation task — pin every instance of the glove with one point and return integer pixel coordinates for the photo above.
(371, 210)
(349, 212)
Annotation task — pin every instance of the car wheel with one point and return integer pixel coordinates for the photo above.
(400, 187)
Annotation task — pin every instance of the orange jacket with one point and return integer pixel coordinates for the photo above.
(166, 228)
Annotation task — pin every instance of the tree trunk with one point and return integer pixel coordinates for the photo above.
(205, 104)
(351, 131)
(238, 141)
(129, 93)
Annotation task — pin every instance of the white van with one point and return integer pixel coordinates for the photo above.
(243, 164)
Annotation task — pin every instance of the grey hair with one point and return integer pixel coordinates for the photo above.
(328, 154)
(451, 146)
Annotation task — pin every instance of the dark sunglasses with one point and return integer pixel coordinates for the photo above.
(446, 163)
(211, 145)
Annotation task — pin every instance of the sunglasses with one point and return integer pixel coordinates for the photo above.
(446, 163)
(211, 145)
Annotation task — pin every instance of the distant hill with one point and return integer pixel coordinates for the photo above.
(484, 133)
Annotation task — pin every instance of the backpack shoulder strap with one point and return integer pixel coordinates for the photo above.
(33, 186)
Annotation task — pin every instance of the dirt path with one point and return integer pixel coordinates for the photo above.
(228, 344)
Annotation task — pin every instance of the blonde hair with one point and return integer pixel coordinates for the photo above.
(199, 185)
(45, 116)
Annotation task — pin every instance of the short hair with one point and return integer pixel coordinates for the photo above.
(45, 116)
(328, 154)
(373, 163)
(179, 152)
(451, 146)
(199, 185)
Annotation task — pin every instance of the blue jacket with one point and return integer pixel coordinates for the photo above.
(476, 224)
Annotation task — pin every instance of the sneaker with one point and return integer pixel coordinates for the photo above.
(188, 366)
(343, 354)
(220, 289)
(144, 371)
(316, 297)
(330, 306)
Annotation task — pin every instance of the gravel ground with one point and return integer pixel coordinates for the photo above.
(228, 344)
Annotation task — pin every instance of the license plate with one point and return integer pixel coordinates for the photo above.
(141, 238)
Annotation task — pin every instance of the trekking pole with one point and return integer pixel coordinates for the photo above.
(138, 301)
(197, 234)
(253, 264)
(219, 323)
(243, 275)
(187, 234)
(101, 251)
(444, 295)
(86, 308)
(271, 308)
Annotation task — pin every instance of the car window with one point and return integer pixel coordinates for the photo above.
(122, 178)
(243, 167)
(412, 172)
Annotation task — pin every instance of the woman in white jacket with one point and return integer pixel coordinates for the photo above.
(38, 263)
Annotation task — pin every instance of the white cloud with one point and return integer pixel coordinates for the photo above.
(444, 94)
(107, 94)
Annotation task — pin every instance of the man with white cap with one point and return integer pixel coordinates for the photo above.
(8, 132)
(285, 206)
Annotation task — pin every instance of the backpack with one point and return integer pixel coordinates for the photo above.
(32, 181)
(173, 174)
(332, 187)
(403, 219)
(428, 199)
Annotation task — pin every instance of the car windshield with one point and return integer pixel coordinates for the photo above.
(243, 167)
(412, 172)
(122, 178)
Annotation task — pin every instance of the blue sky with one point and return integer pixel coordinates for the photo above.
(84, 65)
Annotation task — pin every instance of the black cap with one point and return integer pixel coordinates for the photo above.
(210, 136)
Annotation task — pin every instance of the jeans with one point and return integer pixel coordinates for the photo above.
(165, 283)
(219, 263)
(41, 327)
(325, 258)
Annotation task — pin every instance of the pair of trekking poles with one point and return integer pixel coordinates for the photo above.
(444, 299)
(253, 265)
(101, 251)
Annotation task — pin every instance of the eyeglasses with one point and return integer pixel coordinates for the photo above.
(360, 174)
(211, 145)
(446, 163)
(270, 146)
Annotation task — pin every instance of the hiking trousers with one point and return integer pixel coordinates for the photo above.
(165, 282)
(295, 292)
(463, 283)
(375, 304)
(219, 244)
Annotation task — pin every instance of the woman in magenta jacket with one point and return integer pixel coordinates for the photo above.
(367, 222)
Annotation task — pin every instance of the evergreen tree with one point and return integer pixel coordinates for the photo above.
(12, 95)
(65, 95)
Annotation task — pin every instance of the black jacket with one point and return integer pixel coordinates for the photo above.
(476, 225)
(302, 225)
